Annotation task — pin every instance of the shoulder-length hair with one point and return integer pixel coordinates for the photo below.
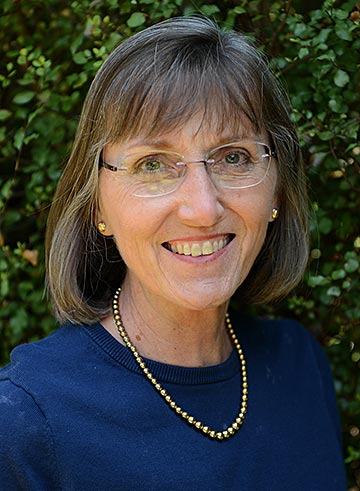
(155, 81)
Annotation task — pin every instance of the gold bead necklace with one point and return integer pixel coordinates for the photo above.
(198, 425)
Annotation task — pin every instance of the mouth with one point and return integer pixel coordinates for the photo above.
(199, 247)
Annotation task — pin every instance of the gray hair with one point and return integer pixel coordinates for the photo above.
(155, 81)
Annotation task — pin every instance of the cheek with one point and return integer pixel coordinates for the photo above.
(254, 208)
(131, 221)
(112, 204)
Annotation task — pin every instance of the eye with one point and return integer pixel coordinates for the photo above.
(151, 164)
(235, 157)
(156, 167)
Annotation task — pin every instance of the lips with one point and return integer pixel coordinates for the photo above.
(199, 247)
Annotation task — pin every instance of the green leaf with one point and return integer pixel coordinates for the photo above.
(338, 274)
(80, 58)
(340, 14)
(303, 52)
(300, 30)
(317, 280)
(24, 97)
(351, 265)
(325, 225)
(19, 138)
(5, 190)
(341, 78)
(4, 114)
(239, 10)
(343, 33)
(337, 106)
(209, 10)
(334, 291)
(136, 19)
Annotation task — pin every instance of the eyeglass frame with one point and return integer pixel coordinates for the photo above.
(182, 163)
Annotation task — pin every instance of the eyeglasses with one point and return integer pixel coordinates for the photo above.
(237, 165)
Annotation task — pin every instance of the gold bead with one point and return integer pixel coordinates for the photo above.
(191, 419)
(212, 434)
(199, 424)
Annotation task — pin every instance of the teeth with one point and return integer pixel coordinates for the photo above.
(187, 250)
(196, 249)
(207, 248)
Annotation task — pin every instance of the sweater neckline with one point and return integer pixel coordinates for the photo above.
(163, 372)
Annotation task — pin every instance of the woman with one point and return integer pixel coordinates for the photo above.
(184, 186)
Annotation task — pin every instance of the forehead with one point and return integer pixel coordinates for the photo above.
(216, 105)
(199, 132)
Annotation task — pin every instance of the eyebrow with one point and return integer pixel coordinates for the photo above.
(166, 145)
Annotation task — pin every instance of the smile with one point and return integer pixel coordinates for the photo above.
(198, 248)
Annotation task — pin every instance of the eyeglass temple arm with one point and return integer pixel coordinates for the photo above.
(104, 164)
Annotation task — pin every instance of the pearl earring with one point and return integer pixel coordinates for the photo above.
(274, 213)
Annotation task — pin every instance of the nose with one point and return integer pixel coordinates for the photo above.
(199, 200)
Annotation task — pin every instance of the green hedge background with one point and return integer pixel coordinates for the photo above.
(50, 51)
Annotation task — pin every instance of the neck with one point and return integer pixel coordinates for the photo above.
(171, 335)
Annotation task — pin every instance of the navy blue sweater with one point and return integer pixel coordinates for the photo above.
(77, 414)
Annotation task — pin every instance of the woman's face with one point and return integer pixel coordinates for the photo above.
(195, 246)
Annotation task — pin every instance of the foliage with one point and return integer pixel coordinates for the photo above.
(50, 51)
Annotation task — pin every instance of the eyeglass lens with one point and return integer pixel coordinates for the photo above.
(234, 165)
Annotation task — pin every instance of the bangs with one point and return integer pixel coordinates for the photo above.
(155, 98)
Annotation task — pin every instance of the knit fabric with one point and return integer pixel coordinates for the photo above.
(77, 413)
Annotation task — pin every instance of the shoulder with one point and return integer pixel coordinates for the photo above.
(26, 444)
(19, 414)
(31, 360)
(285, 345)
(289, 352)
(29, 399)
(36, 370)
(285, 337)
